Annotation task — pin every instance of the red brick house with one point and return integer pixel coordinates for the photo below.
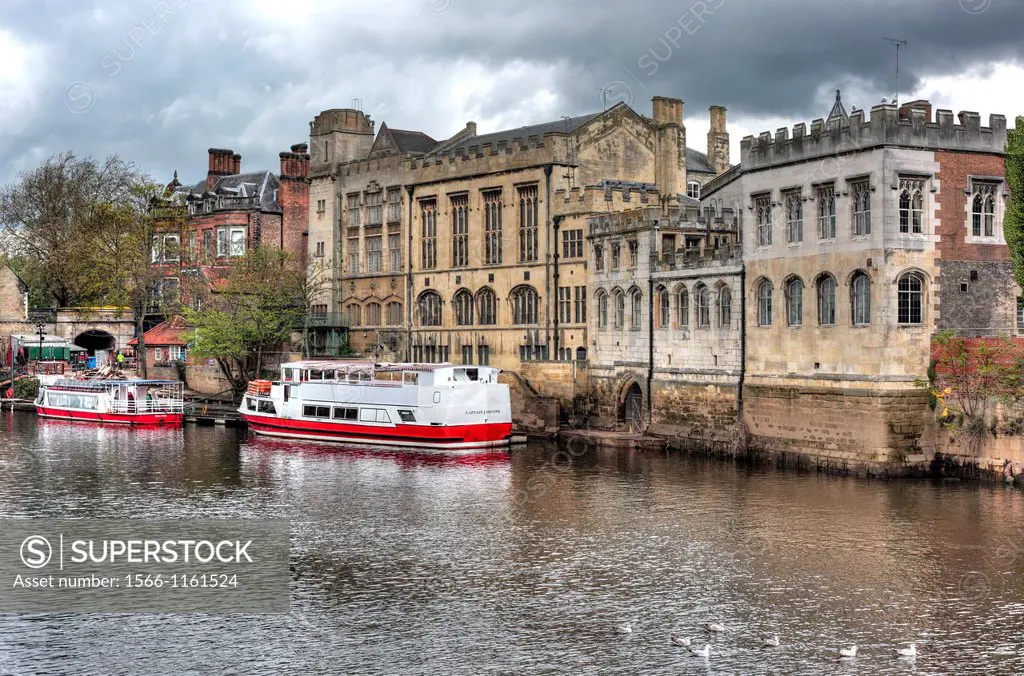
(165, 346)
(206, 225)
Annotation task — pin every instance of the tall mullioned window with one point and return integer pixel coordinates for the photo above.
(861, 208)
(860, 299)
(428, 224)
(460, 231)
(487, 307)
(374, 254)
(374, 208)
(764, 303)
(763, 212)
(795, 302)
(912, 205)
(826, 300)
(463, 303)
(572, 243)
(394, 205)
(826, 198)
(492, 227)
(910, 299)
(702, 302)
(983, 208)
(794, 217)
(429, 308)
(724, 307)
(525, 304)
(353, 210)
(395, 251)
(529, 246)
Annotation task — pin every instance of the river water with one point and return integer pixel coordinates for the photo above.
(526, 563)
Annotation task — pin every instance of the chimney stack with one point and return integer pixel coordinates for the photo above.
(718, 141)
(221, 163)
(670, 154)
(236, 164)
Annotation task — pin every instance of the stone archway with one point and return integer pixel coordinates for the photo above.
(632, 410)
(96, 340)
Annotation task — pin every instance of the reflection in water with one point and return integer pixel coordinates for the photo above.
(527, 562)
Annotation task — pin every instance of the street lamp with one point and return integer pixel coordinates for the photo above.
(41, 330)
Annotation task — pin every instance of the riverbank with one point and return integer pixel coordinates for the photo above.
(741, 451)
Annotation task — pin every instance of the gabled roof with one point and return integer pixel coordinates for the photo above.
(837, 117)
(412, 141)
(169, 332)
(400, 141)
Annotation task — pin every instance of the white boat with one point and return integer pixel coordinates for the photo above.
(126, 402)
(432, 406)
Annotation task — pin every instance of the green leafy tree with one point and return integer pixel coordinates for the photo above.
(1013, 222)
(51, 217)
(250, 313)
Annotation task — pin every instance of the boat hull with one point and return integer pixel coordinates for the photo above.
(136, 419)
(447, 437)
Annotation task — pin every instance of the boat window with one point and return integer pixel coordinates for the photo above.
(374, 415)
(411, 378)
(316, 411)
(250, 403)
(346, 413)
(316, 375)
(472, 373)
(286, 375)
(266, 406)
(353, 377)
(406, 416)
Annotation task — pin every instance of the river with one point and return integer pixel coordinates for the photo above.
(526, 563)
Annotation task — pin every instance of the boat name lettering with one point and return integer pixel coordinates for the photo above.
(493, 410)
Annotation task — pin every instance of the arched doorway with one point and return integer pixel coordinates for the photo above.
(633, 408)
(96, 340)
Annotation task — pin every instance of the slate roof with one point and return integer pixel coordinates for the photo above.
(556, 126)
(412, 141)
(265, 184)
(698, 161)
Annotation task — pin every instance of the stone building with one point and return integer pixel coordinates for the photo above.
(861, 237)
(667, 289)
(472, 249)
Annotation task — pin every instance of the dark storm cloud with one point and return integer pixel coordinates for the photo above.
(160, 81)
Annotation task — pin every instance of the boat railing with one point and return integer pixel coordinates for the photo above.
(150, 406)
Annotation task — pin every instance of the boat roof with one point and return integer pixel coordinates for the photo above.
(104, 384)
(333, 365)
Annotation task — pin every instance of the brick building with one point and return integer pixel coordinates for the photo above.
(472, 249)
(202, 227)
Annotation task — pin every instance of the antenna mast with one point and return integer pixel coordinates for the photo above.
(897, 43)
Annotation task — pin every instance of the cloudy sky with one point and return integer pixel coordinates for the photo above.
(159, 82)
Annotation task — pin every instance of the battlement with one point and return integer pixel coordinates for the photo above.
(883, 127)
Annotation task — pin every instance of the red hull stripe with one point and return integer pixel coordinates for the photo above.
(454, 434)
(149, 419)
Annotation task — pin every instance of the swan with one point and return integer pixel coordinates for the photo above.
(908, 652)
(848, 653)
(772, 641)
(626, 628)
(701, 652)
(715, 626)
(681, 640)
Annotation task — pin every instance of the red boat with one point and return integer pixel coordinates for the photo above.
(125, 402)
(424, 406)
